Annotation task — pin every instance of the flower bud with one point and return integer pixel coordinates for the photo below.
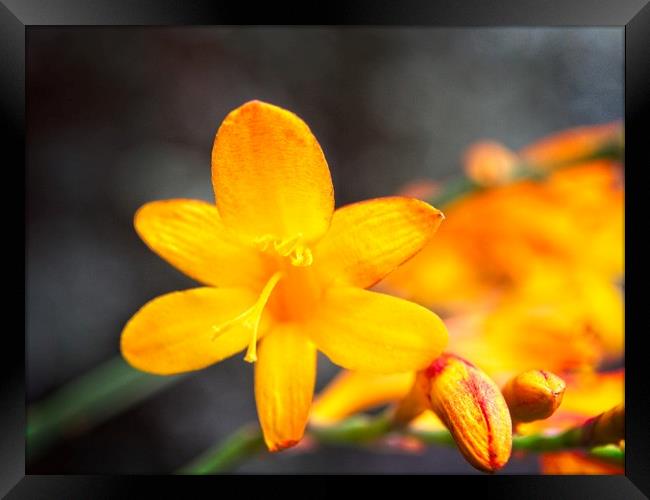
(533, 395)
(606, 428)
(473, 409)
(489, 163)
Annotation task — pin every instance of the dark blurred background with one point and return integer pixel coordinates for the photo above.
(119, 117)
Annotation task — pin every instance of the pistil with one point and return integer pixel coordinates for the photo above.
(251, 318)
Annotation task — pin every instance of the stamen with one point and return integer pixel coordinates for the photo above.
(299, 254)
(263, 242)
(285, 247)
(251, 318)
(302, 256)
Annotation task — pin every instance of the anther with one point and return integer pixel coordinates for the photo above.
(294, 248)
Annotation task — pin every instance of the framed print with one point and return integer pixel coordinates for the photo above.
(389, 241)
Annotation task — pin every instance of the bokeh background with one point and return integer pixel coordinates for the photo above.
(120, 117)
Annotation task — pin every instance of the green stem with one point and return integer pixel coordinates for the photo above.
(609, 453)
(539, 442)
(226, 456)
(87, 401)
(356, 429)
(361, 429)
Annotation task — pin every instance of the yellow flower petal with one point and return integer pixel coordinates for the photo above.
(270, 177)
(351, 392)
(175, 333)
(189, 235)
(363, 330)
(285, 374)
(367, 240)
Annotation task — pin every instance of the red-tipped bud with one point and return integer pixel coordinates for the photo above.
(606, 428)
(472, 407)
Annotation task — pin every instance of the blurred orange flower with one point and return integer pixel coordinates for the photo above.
(283, 270)
(539, 256)
(497, 237)
(526, 272)
(581, 143)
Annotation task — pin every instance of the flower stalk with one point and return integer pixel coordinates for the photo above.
(93, 398)
(365, 430)
(238, 447)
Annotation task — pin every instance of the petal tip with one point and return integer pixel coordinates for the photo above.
(282, 445)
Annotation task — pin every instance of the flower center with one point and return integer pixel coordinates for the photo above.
(297, 289)
(294, 248)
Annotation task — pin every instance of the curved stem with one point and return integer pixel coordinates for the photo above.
(87, 401)
(361, 429)
(238, 447)
(357, 429)
(610, 453)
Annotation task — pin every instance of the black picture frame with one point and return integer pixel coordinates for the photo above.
(633, 16)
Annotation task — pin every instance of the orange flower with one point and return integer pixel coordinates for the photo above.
(519, 335)
(495, 238)
(535, 256)
(283, 270)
